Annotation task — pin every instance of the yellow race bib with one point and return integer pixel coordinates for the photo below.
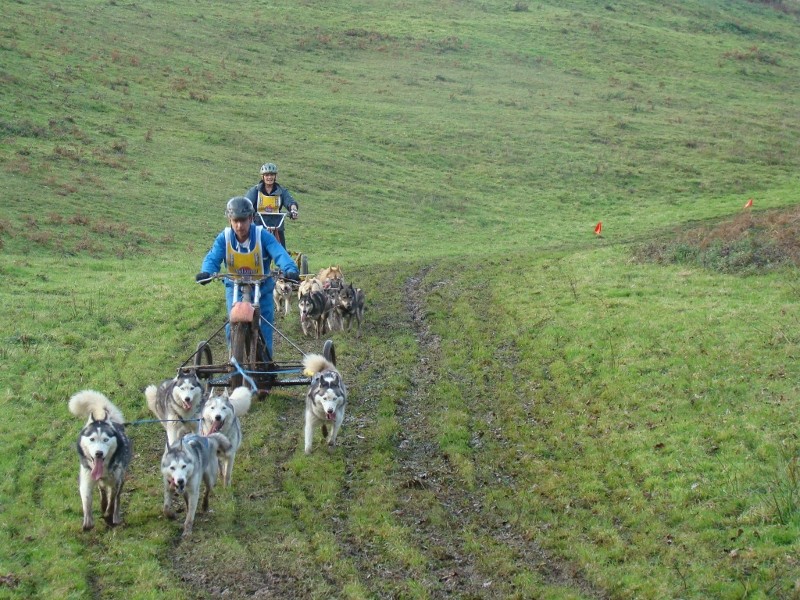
(268, 203)
(244, 263)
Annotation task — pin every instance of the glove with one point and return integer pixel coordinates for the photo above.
(203, 278)
(293, 212)
(292, 276)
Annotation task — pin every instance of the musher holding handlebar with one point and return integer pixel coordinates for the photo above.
(248, 249)
(268, 196)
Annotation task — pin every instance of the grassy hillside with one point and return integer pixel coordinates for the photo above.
(535, 411)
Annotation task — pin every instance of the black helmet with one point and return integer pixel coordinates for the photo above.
(239, 207)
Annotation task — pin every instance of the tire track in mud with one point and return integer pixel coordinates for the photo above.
(426, 468)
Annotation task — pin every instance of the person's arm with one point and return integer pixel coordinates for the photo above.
(215, 256)
(289, 203)
(252, 195)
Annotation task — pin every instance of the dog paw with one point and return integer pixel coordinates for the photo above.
(169, 513)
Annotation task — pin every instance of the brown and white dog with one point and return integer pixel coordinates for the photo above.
(326, 400)
(331, 276)
(311, 284)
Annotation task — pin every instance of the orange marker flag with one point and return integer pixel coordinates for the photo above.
(749, 203)
(598, 228)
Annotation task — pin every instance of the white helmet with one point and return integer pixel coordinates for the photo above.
(269, 168)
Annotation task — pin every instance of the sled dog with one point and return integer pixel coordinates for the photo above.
(282, 294)
(221, 413)
(311, 284)
(349, 305)
(315, 309)
(187, 463)
(177, 403)
(104, 452)
(331, 276)
(325, 401)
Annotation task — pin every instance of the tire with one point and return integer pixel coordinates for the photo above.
(202, 356)
(303, 265)
(329, 351)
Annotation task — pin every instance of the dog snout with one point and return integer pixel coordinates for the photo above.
(218, 418)
(99, 454)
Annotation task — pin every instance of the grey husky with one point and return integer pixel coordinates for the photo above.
(177, 402)
(315, 311)
(221, 412)
(104, 452)
(326, 400)
(350, 305)
(187, 463)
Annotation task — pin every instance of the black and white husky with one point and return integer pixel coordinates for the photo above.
(326, 399)
(315, 312)
(187, 463)
(177, 402)
(104, 452)
(221, 412)
(349, 305)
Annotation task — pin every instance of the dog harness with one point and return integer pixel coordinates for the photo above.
(268, 203)
(244, 263)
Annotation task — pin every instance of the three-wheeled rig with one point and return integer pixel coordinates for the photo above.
(249, 361)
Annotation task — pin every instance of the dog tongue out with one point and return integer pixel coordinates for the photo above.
(97, 469)
(215, 426)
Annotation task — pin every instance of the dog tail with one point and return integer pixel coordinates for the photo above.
(316, 363)
(92, 404)
(240, 399)
(151, 394)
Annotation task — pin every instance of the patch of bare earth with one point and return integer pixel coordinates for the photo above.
(457, 572)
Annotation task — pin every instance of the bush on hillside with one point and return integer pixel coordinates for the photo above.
(746, 244)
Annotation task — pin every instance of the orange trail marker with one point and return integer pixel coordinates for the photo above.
(598, 228)
(749, 203)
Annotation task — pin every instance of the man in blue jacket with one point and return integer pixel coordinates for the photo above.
(248, 249)
(268, 196)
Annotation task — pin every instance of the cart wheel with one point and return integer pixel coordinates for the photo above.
(329, 352)
(303, 265)
(202, 353)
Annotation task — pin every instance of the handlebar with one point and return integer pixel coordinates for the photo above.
(243, 279)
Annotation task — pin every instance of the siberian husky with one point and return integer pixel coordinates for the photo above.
(282, 294)
(325, 401)
(315, 310)
(187, 463)
(177, 402)
(104, 452)
(221, 413)
(349, 305)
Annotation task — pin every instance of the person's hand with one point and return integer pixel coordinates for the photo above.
(292, 276)
(293, 213)
(203, 278)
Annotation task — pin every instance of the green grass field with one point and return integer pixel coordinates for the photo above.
(535, 411)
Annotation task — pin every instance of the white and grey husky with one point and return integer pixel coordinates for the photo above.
(177, 402)
(104, 452)
(326, 399)
(187, 463)
(221, 412)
